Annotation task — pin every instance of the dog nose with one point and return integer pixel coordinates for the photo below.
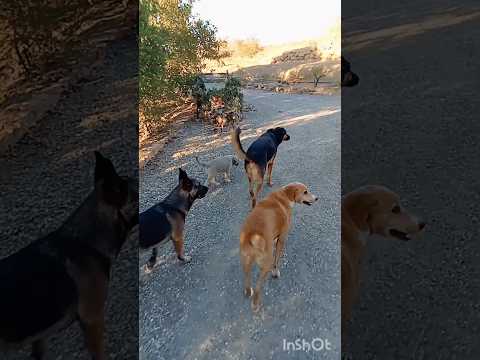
(316, 198)
(421, 225)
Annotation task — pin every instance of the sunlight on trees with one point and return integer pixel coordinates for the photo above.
(174, 46)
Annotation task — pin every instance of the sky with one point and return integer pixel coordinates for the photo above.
(269, 21)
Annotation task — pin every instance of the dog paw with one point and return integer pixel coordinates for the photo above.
(248, 292)
(275, 273)
(185, 259)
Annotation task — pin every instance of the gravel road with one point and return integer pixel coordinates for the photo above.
(48, 174)
(412, 124)
(197, 311)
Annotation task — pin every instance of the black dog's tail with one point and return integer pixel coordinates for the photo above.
(237, 145)
(201, 163)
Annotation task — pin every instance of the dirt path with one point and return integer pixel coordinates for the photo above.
(197, 311)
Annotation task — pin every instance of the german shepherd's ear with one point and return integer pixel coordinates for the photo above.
(114, 189)
(184, 180)
(103, 168)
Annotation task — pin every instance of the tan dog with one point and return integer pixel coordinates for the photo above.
(366, 211)
(266, 228)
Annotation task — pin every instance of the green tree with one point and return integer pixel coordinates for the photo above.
(173, 48)
(232, 94)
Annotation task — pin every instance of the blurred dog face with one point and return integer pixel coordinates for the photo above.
(194, 188)
(298, 193)
(280, 133)
(116, 192)
(388, 218)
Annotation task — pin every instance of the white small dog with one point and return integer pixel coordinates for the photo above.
(222, 165)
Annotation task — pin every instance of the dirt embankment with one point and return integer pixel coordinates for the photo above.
(42, 60)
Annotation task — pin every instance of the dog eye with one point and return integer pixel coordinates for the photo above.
(305, 192)
(396, 209)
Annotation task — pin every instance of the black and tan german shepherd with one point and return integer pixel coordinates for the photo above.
(259, 157)
(349, 78)
(166, 220)
(64, 276)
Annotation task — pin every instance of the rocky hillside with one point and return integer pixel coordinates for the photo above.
(303, 54)
(47, 48)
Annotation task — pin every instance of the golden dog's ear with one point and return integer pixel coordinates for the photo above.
(291, 192)
(371, 204)
(360, 207)
(366, 202)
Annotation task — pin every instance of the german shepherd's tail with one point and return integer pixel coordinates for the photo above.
(237, 145)
(201, 163)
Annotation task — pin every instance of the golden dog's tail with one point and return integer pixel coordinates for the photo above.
(249, 241)
(257, 241)
(237, 145)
